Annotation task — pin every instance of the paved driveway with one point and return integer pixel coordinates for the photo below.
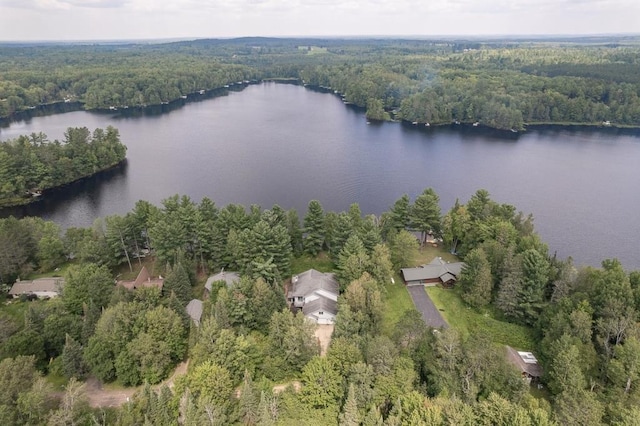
(425, 306)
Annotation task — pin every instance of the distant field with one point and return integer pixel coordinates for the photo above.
(313, 50)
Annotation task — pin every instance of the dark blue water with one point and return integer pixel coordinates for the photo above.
(284, 144)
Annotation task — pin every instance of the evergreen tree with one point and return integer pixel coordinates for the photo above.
(267, 410)
(295, 232)
(349, 415)
(353, 261)
(475, 279)
(424, 214)
(314, 228)
(399, 214)
(72, 359)
(177, 282)
(248, 401)
(510, 286)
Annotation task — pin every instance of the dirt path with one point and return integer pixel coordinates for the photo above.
(323, 334)
(98, 396)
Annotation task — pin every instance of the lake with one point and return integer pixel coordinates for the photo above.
(284, 144)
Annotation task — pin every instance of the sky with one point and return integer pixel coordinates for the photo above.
(170, 19)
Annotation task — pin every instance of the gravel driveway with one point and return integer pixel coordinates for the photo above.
(425, 306)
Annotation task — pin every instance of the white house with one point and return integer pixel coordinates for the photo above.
(315, 294)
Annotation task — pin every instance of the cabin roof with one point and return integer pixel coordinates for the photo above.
(40, 285)
(525, 361)
(194, 310)
(229, 277)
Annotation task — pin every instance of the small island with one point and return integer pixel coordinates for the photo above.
(30, 165)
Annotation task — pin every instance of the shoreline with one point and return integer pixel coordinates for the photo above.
(25, 201)
(62, 107)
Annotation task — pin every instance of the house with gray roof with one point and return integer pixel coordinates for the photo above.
(315, 294)
(230, 278)
(194, 310)
(438, 271)
(41, 287)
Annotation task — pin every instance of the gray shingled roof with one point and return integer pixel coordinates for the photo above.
(40, 285)
(437, 268)
(194, 310)
(322, 304)
(311, 281)
(227, 276)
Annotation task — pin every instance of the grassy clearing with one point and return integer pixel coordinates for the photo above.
(58, 272)
(427, 253)
(322, 262)
(16, 309)
(57, 381)
(397, 302)
(468, 321)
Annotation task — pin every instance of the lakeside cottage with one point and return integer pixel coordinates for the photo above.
(526, 362)
(438, 271)
(41, 287)
(315, 294)
(143, 279)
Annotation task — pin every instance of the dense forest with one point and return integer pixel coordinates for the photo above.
(32, 164)
(252, 361)
(502, 84)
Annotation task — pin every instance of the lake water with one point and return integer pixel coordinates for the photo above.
(285, 144)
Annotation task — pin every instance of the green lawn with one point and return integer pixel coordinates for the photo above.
(427, 253)
(322, 262)
(468, 321)
(397, 302)
(61, 270)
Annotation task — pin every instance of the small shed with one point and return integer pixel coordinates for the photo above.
(194, 310)
(526, 362)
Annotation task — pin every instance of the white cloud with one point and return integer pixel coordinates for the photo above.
(90, 19)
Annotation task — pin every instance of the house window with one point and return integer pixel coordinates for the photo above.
(300, 298)
(320, 313)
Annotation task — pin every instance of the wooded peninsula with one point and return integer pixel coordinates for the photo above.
(32, 164)
(187, 310)
(502, 84)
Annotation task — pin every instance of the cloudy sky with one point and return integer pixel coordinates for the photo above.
(149, 19)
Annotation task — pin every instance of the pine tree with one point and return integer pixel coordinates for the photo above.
(267, 410)
(424, 215)
(349, 415)
(353, 261)
(73, 364)
(314, 228)
(248, 402)
(475, 280)
(177, 282)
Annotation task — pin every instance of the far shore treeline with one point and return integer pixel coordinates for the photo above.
(384, 366)
(502, 84)
(32, 164)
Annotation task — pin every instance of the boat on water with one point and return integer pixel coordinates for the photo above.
(476, 124)
(201, 92)
(183, 97)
